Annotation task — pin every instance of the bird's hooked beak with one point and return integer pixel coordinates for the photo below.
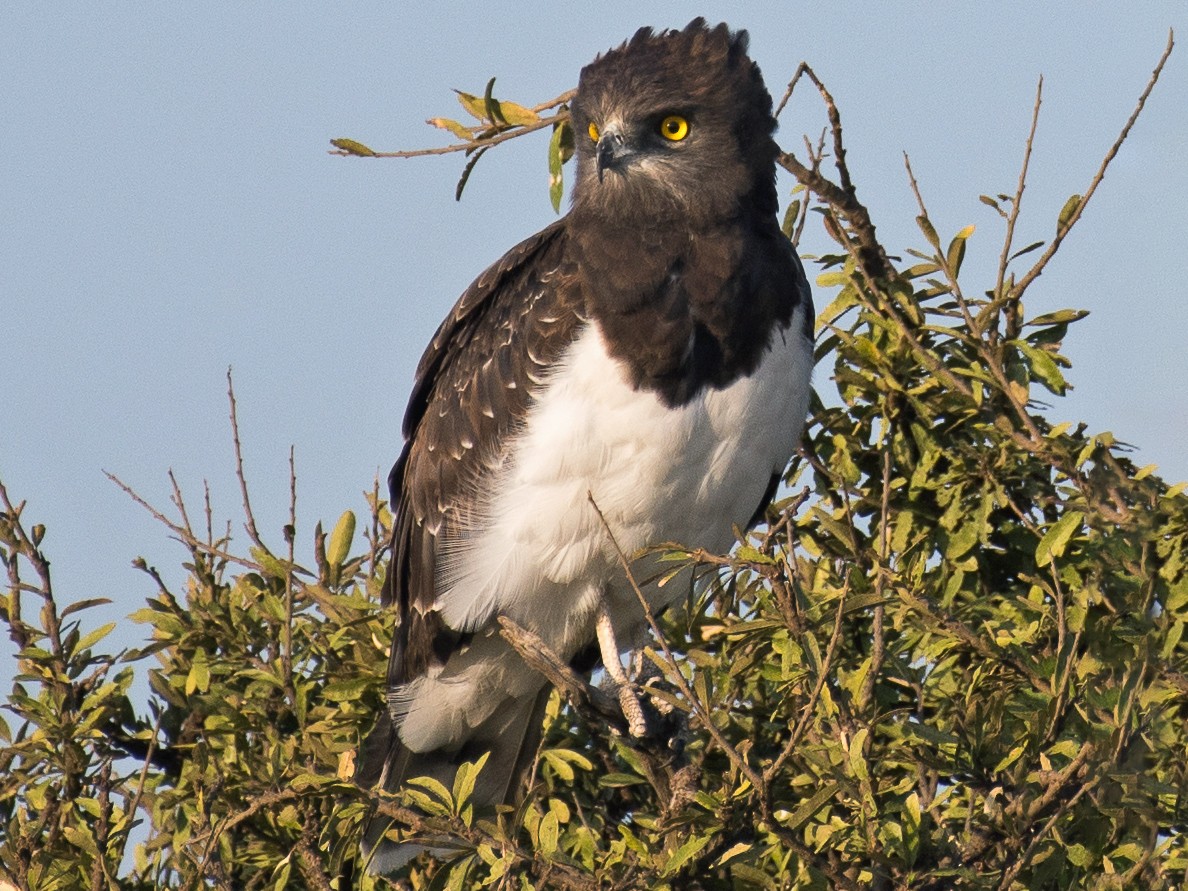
(612, 151)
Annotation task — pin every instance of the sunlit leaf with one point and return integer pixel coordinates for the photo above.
(1056, 539)
(352, 147)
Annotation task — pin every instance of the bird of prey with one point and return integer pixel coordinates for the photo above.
(648, 353)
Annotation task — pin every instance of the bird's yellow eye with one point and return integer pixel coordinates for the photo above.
(674, 128)
(593, 131)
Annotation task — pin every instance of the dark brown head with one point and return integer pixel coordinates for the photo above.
(675, 124)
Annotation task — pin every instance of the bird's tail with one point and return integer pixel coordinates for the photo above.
(510, 737)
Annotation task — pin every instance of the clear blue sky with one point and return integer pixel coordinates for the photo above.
(169, 210)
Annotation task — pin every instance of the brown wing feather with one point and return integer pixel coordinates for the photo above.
(473, 386)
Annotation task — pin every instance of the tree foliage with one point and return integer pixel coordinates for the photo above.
(953, 658)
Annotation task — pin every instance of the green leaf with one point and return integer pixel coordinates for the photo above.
(467, 170)
(1061, 316)
(270, 565)
(1011, 757)
(807, 809)
(434, 788)
(79, 605)
(556, 162)
(618, 780)
(1079, 855)
(465, 778)
(339, 546)
(518, 115)
(956, 253)
(474, 105)
(929, 232)
(351, 147)
(964, 538)
(459, 874)
(550, 832)
(1035, 245)
(857, 756)
(685, 853)
(1066, 212)
(460, 130)
(1043, 367)
(732, 852)
(1057, 537)
(198, 677)
(491, 104)
(280, 874)
(94, 637)
(562, 761)
(348, 690)
(790, 216)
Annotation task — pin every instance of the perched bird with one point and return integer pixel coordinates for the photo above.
(649, 352)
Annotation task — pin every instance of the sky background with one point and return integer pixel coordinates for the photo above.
(169, 211)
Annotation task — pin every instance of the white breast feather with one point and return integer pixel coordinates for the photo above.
(535, 549)
(658, 474)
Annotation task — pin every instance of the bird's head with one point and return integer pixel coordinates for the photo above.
(675, 124)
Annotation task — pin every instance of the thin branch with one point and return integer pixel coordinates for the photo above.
(290, 538)
(941, 259)
(179, 532)
(843, 197)
(878, 644)
(987, 349)
(822, 678)
(1062, 231)
(179, 502)
(1013, 217)
(512, 132)
(1009, 874)
(31, 551)
(144, 768)
(541, 658)
(676, 676)
(210, 838)
(309, 864)
(253, 533)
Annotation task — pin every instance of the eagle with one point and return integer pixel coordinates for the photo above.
(634, 374)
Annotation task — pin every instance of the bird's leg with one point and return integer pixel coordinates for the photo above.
(628, 701)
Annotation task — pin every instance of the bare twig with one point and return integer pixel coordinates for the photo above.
(290, 538)
(250, 518)
(843, 197)
(942, 260)
(1063, 230)
(180, 533)
(180, 503)
(541, 658)
(1008, 242)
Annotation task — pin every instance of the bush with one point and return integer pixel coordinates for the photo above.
(954, 658)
